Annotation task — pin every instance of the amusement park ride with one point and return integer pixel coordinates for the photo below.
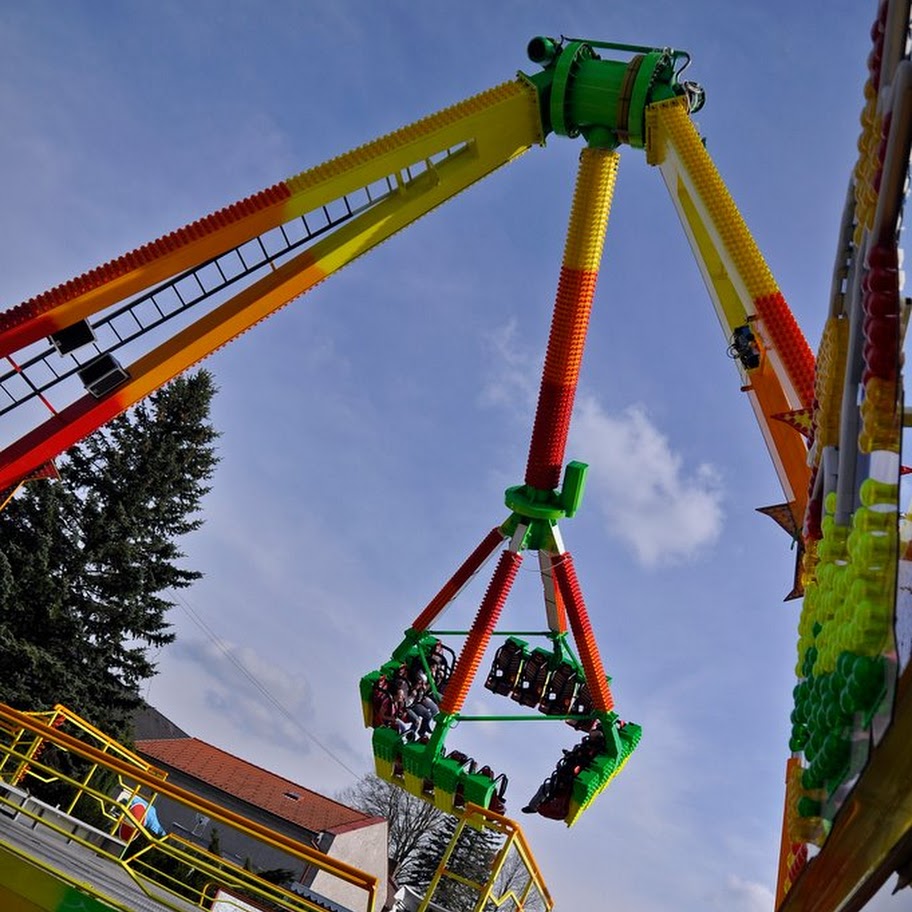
(832, 425)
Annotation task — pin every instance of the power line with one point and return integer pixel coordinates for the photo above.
(223, 647)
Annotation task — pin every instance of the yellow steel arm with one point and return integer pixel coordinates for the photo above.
(415, 168)
(482, 133)
(748, 302)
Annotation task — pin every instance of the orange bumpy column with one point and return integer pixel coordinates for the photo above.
(482, 628)
(570, 321)
(572, 595)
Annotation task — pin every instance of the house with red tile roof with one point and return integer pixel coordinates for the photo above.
(339, 831)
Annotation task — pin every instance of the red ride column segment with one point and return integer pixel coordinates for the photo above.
(572, 595)
(454, 584)
(570, 321)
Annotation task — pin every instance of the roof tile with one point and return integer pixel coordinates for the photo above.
(254, 785)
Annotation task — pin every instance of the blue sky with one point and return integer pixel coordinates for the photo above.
(370, 429)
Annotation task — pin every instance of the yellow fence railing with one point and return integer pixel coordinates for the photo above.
(508, 880)
(60, 774)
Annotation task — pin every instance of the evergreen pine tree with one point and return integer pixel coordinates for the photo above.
(87, 559)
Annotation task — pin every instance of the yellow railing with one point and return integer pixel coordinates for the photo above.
(221, 874)
(26, 745)
(87, 770)
(513, 880)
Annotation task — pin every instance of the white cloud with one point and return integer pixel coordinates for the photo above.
(741, 895)
(650, 500)
(513, 382)
(254, 693)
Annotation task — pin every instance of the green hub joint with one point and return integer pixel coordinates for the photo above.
(605, 101)
(535, 503)
(538, 535)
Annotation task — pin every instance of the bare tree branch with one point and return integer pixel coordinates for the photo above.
(412, 822)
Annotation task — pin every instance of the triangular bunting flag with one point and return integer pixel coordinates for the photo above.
(782, 515)
(799, 419)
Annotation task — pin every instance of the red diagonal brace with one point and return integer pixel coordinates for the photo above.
(569, 588)
(454, 584)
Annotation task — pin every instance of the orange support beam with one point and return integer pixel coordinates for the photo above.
(482, 628)
(572, 595)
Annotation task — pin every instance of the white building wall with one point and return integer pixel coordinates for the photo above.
(364, 848)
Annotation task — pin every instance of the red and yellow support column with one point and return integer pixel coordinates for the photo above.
(570, 322)
(585, 240)
(496, 126)
(423, 165)
(742, 289)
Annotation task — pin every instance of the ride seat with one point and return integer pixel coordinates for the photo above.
(530, 687)
(448, 794)
(581, 705)
(387, 747)
(559, 695)
(507, 665)
(498, 803)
